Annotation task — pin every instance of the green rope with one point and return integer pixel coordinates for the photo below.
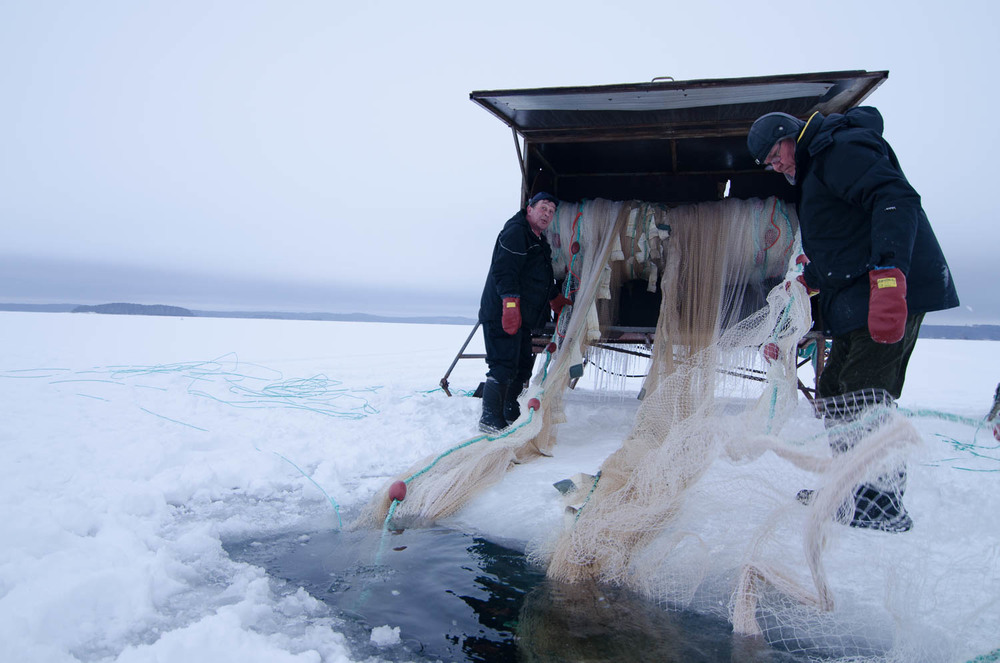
(336, 507)
(377, 561)
(204, 430)
(440, 457)
(38, 371)
(578, 235)
(597, 477)
(772, 406)
(945, 416)
(863, 422)
(548, 359)
(317, 394)
(467, 443)
(388, 519)
(987, 658)
(392, 507)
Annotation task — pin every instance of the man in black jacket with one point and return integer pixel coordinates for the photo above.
(874, 263)
(515, 300)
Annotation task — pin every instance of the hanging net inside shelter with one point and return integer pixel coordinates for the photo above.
(694, 509)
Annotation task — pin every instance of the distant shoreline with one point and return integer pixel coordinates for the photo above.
(176, 311)
(976, 332)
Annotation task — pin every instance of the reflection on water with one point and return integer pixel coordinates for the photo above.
(457, 597)
(590, 622)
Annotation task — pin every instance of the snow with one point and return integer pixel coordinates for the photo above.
(134, 447)
(384, 636)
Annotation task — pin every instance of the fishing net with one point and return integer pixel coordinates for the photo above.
(711, 269)
(697, 508)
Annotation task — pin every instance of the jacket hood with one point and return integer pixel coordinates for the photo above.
(862, 117)
(866, 117)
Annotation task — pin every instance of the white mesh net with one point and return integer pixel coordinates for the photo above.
(697, 508)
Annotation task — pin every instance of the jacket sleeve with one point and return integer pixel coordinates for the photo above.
(863, 171)
(511, 252)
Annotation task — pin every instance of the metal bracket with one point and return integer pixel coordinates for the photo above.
(461, 355)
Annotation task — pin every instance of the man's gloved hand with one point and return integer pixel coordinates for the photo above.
(511, 319)
(801, 279)
(803, 260)
(558, 302)
(886, 304)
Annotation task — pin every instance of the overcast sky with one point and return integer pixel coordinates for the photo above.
(308, 155)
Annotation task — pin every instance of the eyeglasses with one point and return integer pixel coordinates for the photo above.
(773, 155)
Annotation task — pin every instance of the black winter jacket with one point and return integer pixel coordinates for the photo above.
(521, 267)
(857, 212)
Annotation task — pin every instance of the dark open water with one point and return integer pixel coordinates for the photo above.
(457, 597)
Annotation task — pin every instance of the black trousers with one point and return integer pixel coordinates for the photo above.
(859, 375)
(508, 357)
(857, 362)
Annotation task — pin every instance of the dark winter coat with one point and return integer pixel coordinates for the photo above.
(521, 267)
(857, 212)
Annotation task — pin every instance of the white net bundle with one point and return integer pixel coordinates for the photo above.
(695, 510)
(678, 431)
(698, 507)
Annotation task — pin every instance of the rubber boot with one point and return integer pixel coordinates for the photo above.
(876, 504)
(492, 421)
(511, 408)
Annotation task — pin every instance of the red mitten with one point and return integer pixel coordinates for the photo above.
(511, 319)
(802, 259)
(801, 279)
(886, 305)
(558, 302)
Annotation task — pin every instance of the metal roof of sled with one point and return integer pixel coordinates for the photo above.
(662, 109)
(664, 141)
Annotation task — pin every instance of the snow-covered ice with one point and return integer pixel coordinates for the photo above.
(135, 446)
(383, 636)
